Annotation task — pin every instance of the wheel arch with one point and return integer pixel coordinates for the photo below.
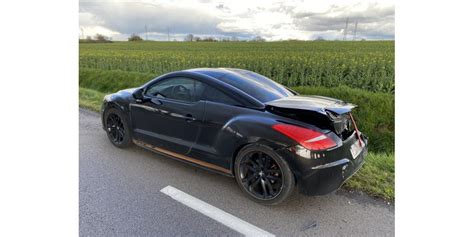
(289, 183)
(119, 104)
(253, 130)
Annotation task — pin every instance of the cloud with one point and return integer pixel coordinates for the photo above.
(273, 20)
(88, 19)
(130, 17)
(93, 30)
(373, 20)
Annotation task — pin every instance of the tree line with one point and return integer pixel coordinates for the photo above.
(99, 38)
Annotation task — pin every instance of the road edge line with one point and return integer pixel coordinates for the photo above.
(214, 213)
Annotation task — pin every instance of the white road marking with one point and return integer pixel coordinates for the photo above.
(215, 213)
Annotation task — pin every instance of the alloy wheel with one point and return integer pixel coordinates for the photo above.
(261, 176)
(115, 128)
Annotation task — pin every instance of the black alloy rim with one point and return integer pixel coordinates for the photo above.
(115, 128)
(261, 175)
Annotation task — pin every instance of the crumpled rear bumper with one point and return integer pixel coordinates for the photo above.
(328, 173)
(328, 179)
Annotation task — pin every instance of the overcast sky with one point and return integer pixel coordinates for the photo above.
(272, 20)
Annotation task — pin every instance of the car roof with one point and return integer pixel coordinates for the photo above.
(260, 87)
(212, 72)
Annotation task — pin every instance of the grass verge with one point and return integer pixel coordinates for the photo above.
(375, 113)
(90, 99)
(376, 178)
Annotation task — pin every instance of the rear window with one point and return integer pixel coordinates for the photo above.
(215, 95)
(256, 85)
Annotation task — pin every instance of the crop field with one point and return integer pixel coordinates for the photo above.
(358, 72)
(364, 65)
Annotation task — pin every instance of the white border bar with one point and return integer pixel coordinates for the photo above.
(215, 213)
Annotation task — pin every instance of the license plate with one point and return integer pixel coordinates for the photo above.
(356, 148)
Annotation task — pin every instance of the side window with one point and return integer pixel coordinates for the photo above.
(180, 88)
(215, 95)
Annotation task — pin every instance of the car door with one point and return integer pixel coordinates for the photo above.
(220, 109)
(170, 114)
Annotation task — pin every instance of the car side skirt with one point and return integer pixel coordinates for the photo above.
(187, 159)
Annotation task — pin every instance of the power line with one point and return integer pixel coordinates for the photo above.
(355, 31)
(345, 29)
(146, 32)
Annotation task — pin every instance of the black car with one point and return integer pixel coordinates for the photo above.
(243, 125)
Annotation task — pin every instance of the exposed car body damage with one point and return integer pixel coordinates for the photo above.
(324, 112)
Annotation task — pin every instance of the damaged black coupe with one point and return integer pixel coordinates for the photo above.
(244, 125)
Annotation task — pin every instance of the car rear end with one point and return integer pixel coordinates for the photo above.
(328, 148)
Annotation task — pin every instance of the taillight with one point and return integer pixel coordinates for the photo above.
(308, 138)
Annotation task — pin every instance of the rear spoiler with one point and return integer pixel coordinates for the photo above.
(318, 104)
(342, 110)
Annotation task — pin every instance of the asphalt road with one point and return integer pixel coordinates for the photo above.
(119, 195)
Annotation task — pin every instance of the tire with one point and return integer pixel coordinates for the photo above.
(117, 128)
(278, 186)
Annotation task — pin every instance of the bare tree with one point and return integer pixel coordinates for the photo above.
(209, 39)
(135, 37)
(258, 39)
(320, 38)
(189, 37)
(101, 38)
(98, 38)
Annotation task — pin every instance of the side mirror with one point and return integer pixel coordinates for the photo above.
(138, 94)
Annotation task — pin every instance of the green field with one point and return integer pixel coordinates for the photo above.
(365, 65)
(358, 72)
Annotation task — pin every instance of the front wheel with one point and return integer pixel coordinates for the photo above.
(263, 175)
(117, 128)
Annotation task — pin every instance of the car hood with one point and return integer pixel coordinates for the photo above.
(318, 104)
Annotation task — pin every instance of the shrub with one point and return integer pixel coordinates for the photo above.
(135, 37)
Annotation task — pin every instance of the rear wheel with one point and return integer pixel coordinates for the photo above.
(117, 128)
(263, 175)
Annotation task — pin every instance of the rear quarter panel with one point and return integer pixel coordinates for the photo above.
(226, 129)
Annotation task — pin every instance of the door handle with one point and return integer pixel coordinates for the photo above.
(156, 101)
(189, 118)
